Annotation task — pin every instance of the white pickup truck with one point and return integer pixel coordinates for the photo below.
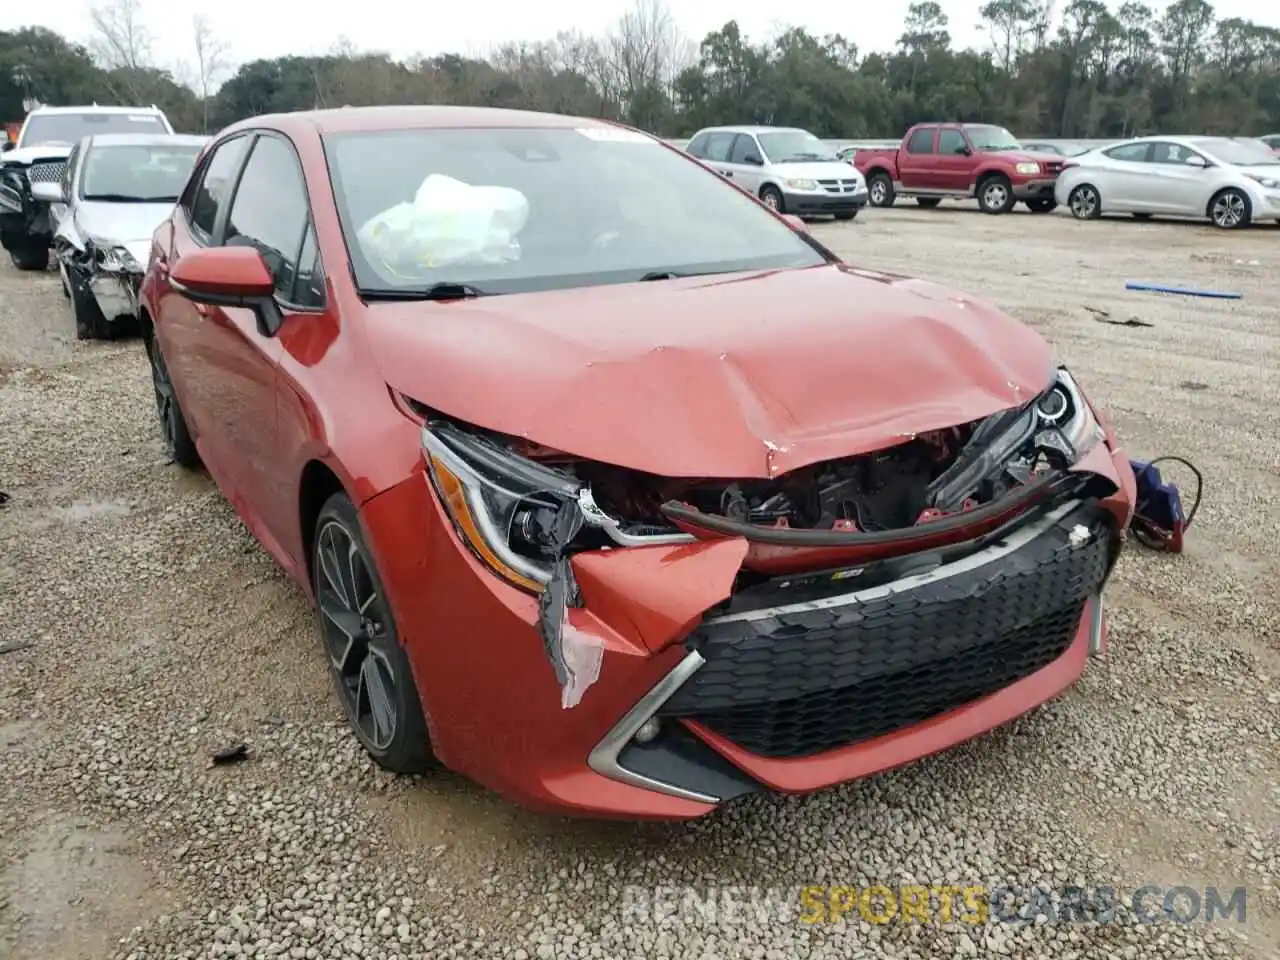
(40, 156)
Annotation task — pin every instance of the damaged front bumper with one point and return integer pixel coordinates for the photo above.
(110, 273)
(116, 293)
(679, 687)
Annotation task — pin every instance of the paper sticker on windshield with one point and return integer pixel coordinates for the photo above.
(614, 135)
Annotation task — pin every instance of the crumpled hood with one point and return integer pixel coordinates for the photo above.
(740, 376)
(120, 223)
(28, 155)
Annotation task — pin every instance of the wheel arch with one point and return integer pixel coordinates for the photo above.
(316, 485)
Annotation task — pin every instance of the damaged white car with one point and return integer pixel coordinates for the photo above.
(115, 191)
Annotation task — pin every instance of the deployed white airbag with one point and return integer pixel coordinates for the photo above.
(448, 222)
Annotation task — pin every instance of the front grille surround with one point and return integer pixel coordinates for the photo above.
(811, 678)
(839, 186)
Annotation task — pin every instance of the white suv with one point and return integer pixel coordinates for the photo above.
(788, 168)
(40, 156)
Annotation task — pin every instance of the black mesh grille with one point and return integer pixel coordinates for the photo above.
(46, 172)
(799, 683)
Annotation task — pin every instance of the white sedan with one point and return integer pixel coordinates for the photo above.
(1231, 181)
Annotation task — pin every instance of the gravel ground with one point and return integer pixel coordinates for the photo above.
(159, 632)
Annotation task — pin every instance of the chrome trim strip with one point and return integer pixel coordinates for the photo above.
(1095, 624)
(603, 758)
(1016, 540)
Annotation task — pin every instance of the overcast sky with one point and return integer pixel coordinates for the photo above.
(262, 28)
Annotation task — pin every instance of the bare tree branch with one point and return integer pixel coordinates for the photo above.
(121, 39)
(211, 63)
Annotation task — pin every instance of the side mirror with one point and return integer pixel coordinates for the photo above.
(754, 159)
(7, 146)
(229, 277)
(48, 192)
(1195, 160)
(964, 150)
(797, 224)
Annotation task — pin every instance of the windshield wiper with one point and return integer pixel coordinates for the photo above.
(115, 198)
(444, 290)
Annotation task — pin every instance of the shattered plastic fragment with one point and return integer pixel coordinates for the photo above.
(575, 655)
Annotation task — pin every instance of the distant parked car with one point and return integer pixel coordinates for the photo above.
(39, 157)
(115, 189)
(1272, 140)
(1229, 180)
(959, 161)
(789, 169)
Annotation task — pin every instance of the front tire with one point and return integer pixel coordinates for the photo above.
(1085, 203)
(370, 670)
(995, 195)
(85, 312)
(847, 215)
(771, 197)
(1230, 209)
(880, 188)
(174, 435)
(30, 256)
(1041, 206)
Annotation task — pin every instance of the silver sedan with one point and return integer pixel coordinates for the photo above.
(1228, 180)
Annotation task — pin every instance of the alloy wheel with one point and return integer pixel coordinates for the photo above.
(1229, 210)
(877, 191)
(1083, 203)
(996, 195)
(771, 200)
(353, 622)
(166, 408)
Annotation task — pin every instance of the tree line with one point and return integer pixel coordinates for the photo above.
(1093, 70)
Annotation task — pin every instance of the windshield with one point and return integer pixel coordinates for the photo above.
(68, 128)
(154, 173)
(789, 146)
(984, 137)
(515, 210)
(1241, 150)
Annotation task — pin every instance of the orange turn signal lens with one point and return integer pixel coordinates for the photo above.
(453, 495)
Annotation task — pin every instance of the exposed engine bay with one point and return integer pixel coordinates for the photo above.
(928, 476)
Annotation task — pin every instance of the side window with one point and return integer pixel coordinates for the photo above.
(68, 170)
(698, 146)
(1171, 153)
(269, 211)
(1130, 152)
(921, 141)
(951, 142)
(210, 194)
(308, 286)
(743, 146)
(718, 146)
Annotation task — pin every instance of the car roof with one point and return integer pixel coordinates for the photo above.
(370, 119)
(146, 139)
(94, 108)
(747, 128)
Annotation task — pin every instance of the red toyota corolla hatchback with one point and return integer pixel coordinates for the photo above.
(615, 491)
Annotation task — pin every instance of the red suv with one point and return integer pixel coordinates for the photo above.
(941, 161)
(613, 490)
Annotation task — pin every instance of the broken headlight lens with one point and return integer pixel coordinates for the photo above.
(116, 259)
(514, 514)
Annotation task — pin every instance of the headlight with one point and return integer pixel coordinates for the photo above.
(514, 514)
(1064, 412)
(116, 259)
(518, 516)
(1028, 168)
(802, 184)
(1269, 182)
